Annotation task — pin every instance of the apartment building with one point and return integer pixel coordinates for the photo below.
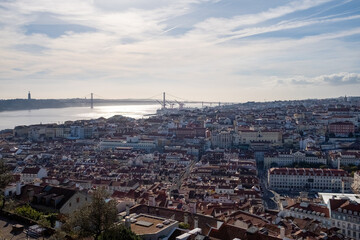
(287, 159)
(222, 139)
(342, 129)
(333, 180)
(345, 214)
(146, 145)
(272, 136)
(346, 158)
(29, 174)
(309, 210)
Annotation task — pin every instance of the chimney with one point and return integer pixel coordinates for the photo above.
(196, 222)
(186, 218)
(192, 207)
(18, 188)
(30, 193)
(282, 232)
(127, 210)
(127, 222)
(152, 202)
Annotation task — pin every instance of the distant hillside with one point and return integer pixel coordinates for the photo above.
(24, 104)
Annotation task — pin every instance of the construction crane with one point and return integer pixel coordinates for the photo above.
(181, 105)
(161, 103)
(170, 103)
(164, 102)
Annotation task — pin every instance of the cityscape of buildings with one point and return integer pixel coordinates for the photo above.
(257, 170)
(263, 142)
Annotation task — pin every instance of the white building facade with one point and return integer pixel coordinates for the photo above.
(328, 180)
(283, 160)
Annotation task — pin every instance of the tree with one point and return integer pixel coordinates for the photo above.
(95, 218)
(119, 232)
(5, 179)
(29, 212)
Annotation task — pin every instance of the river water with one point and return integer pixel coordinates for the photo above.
(10, 119)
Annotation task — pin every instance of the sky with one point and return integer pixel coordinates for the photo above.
(206, 50)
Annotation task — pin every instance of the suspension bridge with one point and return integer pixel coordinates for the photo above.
(161, 98)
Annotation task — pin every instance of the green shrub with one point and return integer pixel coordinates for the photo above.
(184, 225)
(119, 232)
(29, 212)
(44, 222)
(52, 217)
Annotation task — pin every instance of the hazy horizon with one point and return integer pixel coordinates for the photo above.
(202, 50)
(154, 100)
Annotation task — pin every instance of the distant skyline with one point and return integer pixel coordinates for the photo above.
(211, 50)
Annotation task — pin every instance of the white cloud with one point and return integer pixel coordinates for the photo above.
(226, 25)
(341, 78)
(336, 79)
(247, 32)
(133, 52)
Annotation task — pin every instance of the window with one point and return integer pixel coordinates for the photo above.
(77, 200)
(70, 204)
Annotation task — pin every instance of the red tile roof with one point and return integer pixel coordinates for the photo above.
(308, 172)
(312, 208)
(31, 170)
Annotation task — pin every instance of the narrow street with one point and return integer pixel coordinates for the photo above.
(268, 196)
(184, 175)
